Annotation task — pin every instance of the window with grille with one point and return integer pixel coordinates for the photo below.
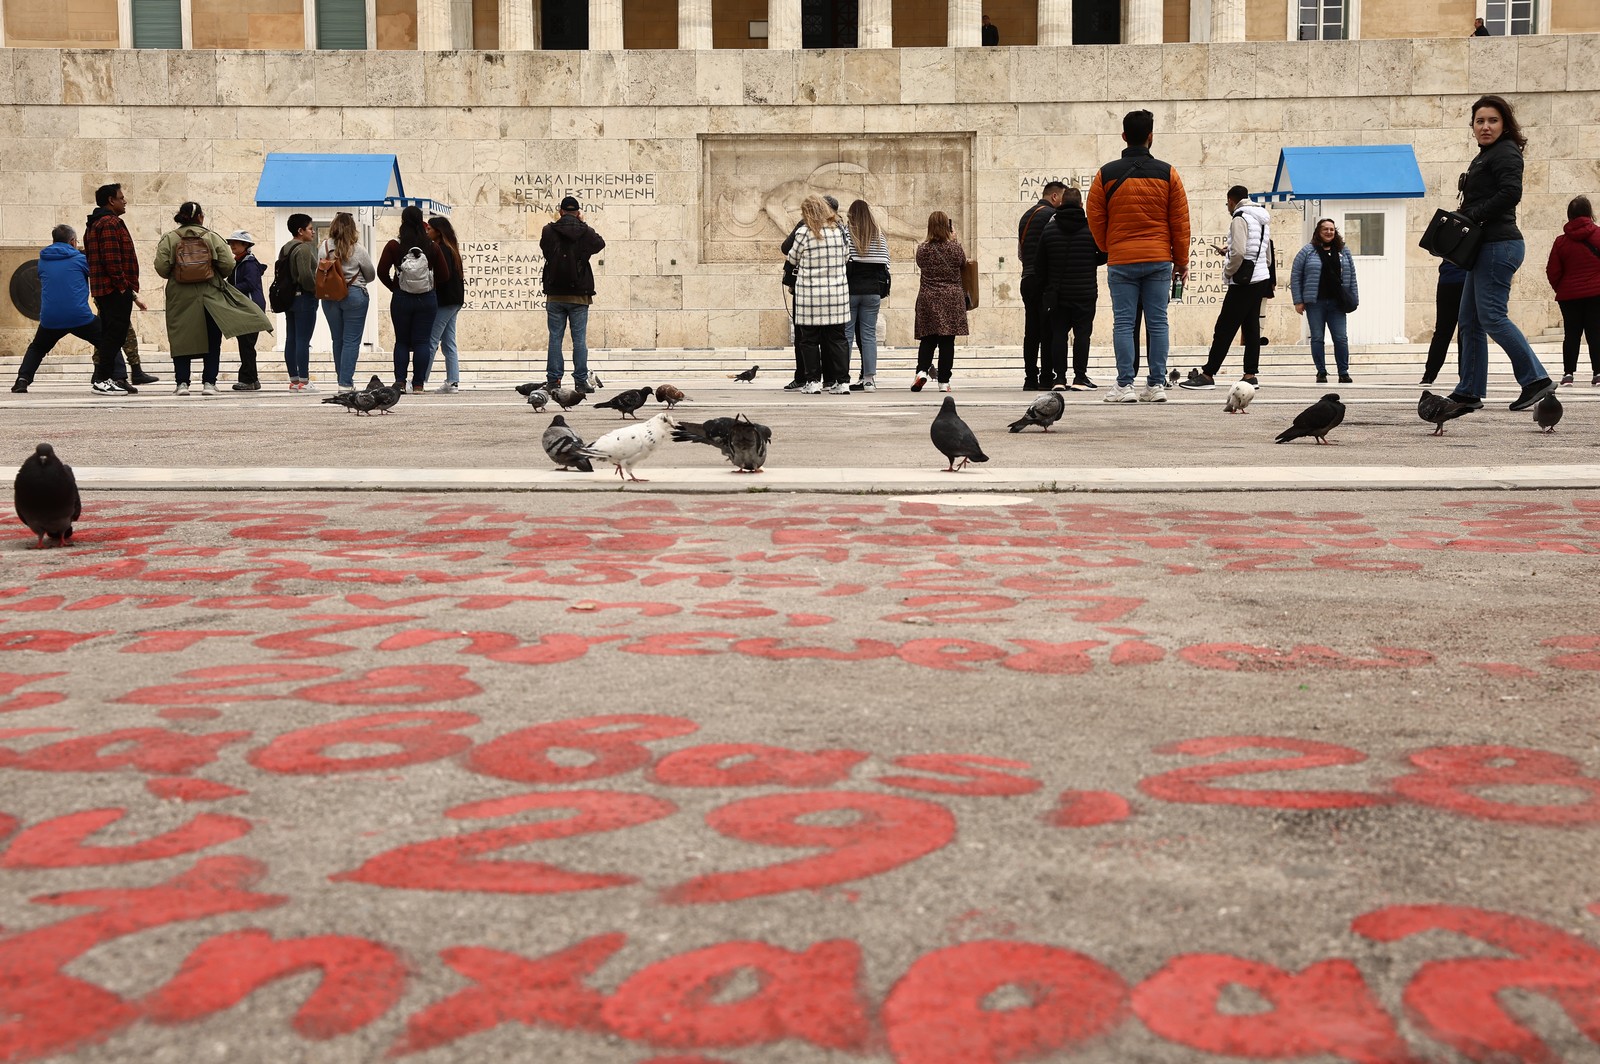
(1324, 20)
(341, 24)
(1509, 17)
(157, 24)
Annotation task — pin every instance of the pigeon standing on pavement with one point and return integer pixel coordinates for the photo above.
(384, 396)
(954, 440)
(1044, 412)
(1239, 397)
(538, 398)
(626, 402)
(1548, 413)
(747, 376)
(742, 441)
(567, 398)
(626, 447)
(563, 445)
(1437, 409)
(1316, 420)
(46, 496)
(671, 395)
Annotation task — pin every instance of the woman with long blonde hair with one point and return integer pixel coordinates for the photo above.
(347, 317)
(868, 274)
(820, 255)
(941, 313)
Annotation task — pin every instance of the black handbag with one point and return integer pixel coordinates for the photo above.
(1452, 236)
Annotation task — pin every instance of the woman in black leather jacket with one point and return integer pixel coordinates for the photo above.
(1490, 191)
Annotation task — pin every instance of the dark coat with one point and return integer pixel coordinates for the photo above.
(1030, 230)
(1493, 189)
(1069, 261)
(1574, 266)
(246, 277)
(941, 301)
(567, 244)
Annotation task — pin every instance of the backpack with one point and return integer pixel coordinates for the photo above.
(280, 296)
(330, 278)
(415, 275)
(191, 261)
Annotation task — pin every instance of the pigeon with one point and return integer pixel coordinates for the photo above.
(672, 396)
(1437, 409)
(954, 440)
(562, 445)
(626, 447)
(1547, 413)
(1239, 397)
(1316, 420)
(626, 402)
(528, 389)
(1173, 377)
(383, 396)
(538, 399)
(742, 441)
(1044, 412)
(47, 496)
(356, 402)
(747, 376)
(567, 398)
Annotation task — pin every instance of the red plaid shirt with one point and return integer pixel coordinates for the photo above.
(113, 263)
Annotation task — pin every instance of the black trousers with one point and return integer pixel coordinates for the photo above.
(946, 346)
(116, 317)
(1581, 318)
(1080, 322)
(1241, 312)
(248, 374)
(1446, 313)
(824, 352)
(1035, 325)
(45, 340)
(211, 361)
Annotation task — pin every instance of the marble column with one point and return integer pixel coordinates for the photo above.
(1143, 19)
(963, 24)
(694, 24)
(433, 25)
(875, 24)
(1055, 22)
(783, 24)
(517, 26)
(1227, 21)
(605, 25)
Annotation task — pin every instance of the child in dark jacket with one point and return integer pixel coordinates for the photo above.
(246, 277)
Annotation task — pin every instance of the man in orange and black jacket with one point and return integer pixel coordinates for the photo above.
(1139, 216)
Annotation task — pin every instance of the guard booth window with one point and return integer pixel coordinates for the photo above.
(342, 24)
(157, 24)
(1363, 234)
(1324, 20)
(1509, 17)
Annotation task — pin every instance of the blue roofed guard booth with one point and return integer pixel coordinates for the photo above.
(369, 186)
(1364, 189)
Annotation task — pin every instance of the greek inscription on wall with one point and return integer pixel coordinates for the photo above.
(502, 276)
(1031, 186)
(543, 193)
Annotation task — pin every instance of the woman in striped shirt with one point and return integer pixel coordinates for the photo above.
(868, 272)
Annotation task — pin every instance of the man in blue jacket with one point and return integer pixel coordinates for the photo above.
(63, 303)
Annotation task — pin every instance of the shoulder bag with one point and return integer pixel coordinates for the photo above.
(1453, 236)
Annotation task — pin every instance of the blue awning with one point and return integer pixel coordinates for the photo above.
(1357, 171)
(290, 179)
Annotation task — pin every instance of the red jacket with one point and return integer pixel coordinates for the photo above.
(1574, 266)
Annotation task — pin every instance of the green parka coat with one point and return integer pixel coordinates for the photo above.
(188, 303)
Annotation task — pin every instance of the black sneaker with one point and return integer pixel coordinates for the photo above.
(141, 377)
(1532, 393)
(1083, 384)
(1198, 382)
(1250, 379)
(20, 386)
(247, 386)
(583, 388)
(1322, 378)
(794, 385)
(1471, 402)
(1031, 384)
(1345, 378)
(124, 387)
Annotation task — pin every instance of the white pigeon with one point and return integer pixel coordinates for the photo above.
(631, 444)
(1239, 397)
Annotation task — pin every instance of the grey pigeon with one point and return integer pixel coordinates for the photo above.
(47, 496)
(671, 395)
(1239, 397)
(626, 402)
(954, 440)
(1044, 412)
(567, 398)
(383, 397)
(562, 445)
(1547, 413)
(538, 398)
(1316, 420)
(629, 445)
(741, 441)
(344, 399)
(1437, 409)
(747, 376)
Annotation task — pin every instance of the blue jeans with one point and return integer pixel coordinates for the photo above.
(412, 314)
(1326, 312)
(444, 335)
(347, 318)
(1134, 284)
(1483, 315)
(863, 332)
(299, 321)
(558, 315)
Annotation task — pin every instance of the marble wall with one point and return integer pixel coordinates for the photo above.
(502, 135)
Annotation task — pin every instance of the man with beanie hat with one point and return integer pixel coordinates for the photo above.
(567, 243)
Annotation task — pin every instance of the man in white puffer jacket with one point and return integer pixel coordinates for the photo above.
(1248, 269)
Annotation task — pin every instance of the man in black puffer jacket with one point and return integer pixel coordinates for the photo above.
(1067, 266)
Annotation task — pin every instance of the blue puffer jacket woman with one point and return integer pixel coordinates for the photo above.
(1323, 286)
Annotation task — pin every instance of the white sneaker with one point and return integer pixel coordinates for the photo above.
(307, 386)
(208, 389)
(869, 386)
(1121, 393)
(449, 387)
(921, 379)
(181, 389)
(838, 389)
(945, 387)
(811, 388)
(1153, 393)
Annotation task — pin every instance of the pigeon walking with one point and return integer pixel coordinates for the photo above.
(46, 496)
(384, 396)
(563, 446)
(1548, 413)
(626, 402)
(742, 441)
(1044, 412)
(671, 395)
(747, 376)
(626, 447)
(1437, 409)
(1239, 397)
(1316, 420)
(954, 440)
(567, 398)
(538, 398)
